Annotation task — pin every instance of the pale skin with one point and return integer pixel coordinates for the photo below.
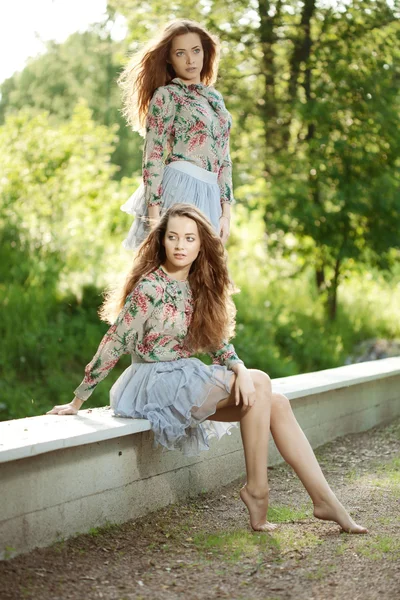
(187, 56)
(258, 410)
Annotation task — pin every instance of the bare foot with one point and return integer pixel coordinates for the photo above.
(257, 508)
(337, 513)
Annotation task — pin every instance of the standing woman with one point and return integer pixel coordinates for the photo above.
(176, 301)
(168, 96)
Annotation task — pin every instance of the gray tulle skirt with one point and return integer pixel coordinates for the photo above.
(182, 182)
(176, 397)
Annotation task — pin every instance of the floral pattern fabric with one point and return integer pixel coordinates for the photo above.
(152, 326)
(190, 123)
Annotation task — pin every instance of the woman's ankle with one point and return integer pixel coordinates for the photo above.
(325, 499)
(258, 492)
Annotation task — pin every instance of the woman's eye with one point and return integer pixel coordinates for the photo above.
(171, 237)
(179, 53)
(197, 50)
(190, 239)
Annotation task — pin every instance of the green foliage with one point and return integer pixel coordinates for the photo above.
(58, 212)
(315, 146)
(85, 66)
(56, 182)
(282, 328)
(314, 94)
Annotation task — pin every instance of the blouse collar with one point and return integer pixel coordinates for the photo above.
(208, 92)
(174, 287)
(191, 86)
(161, 271)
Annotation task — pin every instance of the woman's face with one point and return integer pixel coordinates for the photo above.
(186, 57)
(182, 242)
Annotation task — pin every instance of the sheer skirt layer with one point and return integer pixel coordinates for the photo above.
(192, 185)
(176, 397)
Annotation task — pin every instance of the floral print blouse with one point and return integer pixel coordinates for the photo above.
(152, 326)
(191, 123)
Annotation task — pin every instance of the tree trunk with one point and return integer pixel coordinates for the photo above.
(302, 49)
(332, 294)
(269, 108)
(320, 278)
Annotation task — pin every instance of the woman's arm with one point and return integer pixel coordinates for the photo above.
(244, 386)
(120, 339)
(226, 196)
(225, 180)
(159, 123)
(225, 222)
(226, 355)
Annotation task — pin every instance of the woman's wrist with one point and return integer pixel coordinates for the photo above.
(77, 402)
(237, 367)
(226, 210)
(154, 212)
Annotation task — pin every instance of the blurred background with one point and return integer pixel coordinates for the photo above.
(313, 88)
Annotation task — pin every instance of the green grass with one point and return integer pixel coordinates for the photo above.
(391, 469)
(287, 514)
(341, 548)
(9, 552)
(378, 547)
(388, 477)
(291, 538)
(234, 546)
(352, 475)
(104, 529)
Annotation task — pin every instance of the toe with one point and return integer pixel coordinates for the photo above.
(265, 527)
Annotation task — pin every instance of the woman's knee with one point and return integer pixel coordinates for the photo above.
(261, 381)
(280, 402)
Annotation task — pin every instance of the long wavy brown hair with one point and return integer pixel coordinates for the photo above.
(149, 69)
(214, 312)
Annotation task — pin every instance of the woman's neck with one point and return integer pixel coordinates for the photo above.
(178, 273)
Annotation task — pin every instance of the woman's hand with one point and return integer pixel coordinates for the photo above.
(224, 228)
(244, 386)
(67, 409)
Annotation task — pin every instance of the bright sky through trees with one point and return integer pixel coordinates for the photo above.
(26, 24)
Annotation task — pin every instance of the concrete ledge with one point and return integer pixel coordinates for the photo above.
(63, 475)
(22, 438)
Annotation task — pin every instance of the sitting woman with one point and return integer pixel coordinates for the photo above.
(175, 302)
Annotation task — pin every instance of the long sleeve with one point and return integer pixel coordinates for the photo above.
(159, 124)
(225, 179)
(120, 338)
(225, 355)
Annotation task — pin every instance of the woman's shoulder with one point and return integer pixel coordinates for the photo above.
(148, 292)
(214, 91)
(153, 283)
(156, 283)
(164, 99)
(215, 95)
(168, 92)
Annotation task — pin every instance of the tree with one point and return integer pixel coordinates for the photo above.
(57, 194)
(85, 66)
(313, 89)
(340, 197)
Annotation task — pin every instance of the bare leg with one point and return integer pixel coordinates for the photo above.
(296, 450)
(254, 427)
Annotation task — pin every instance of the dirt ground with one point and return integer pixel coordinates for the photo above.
(204, 548)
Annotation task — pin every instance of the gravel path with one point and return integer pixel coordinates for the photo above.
(204, 549)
